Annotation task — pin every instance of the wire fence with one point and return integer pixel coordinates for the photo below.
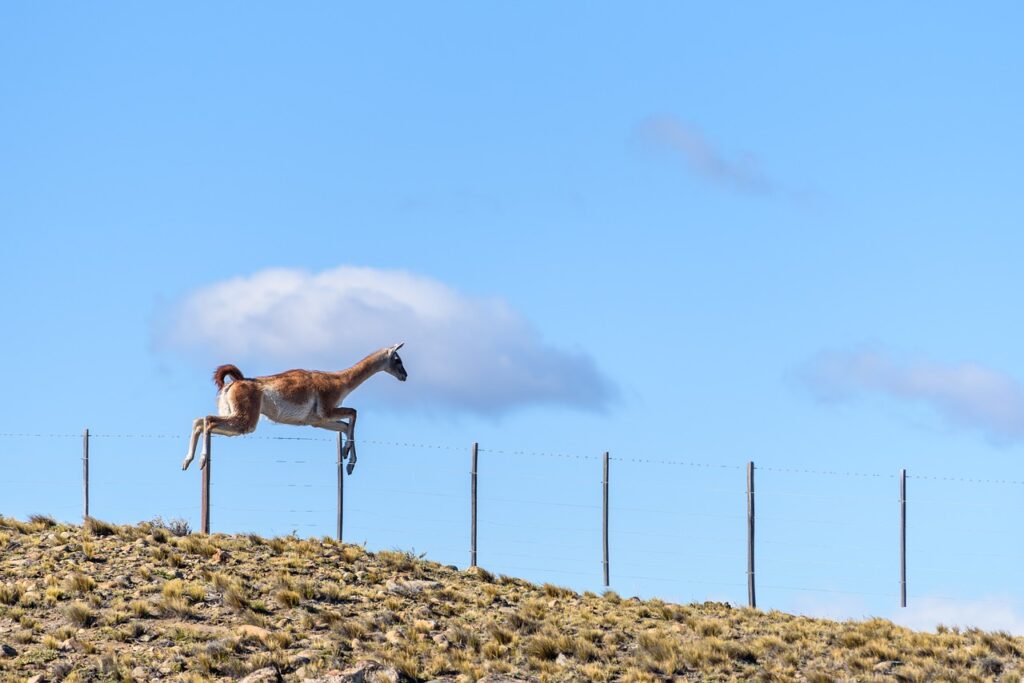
(677, 525)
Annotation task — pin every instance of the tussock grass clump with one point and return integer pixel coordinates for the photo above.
(80, 614)
(553, 591)
(99, 528)
(351, 553)
(42, 521)
(79, 583)
(10, 593)
(195, 545)
(287, 598)
(236, 598)
(141, 609)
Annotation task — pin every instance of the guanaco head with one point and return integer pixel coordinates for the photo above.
(394, 366)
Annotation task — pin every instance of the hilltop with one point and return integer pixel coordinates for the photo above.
(150, 602)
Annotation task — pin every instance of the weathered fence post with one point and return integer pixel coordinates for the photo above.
(341, 486)
(472, 505)
(604, 520)
(903, 538)
(85, 475)
(205, 512)
(751, 596)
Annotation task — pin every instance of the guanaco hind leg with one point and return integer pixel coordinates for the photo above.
(242, 406)
(197, 428)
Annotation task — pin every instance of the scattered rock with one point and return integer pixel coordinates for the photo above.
(502, 678)
(8, 651)
(408, 589)
(300, 659)
(442, 641)
(887, 665)
(72, 645)
(220, 557)
(562, 660)
(366, 671)
(38, 678)
(266, 675)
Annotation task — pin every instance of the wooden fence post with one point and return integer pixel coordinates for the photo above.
(751, 595)
(85, 475)
(472, 524)
(341, 487)
(604, 519)
(903, 538)
(205, 512)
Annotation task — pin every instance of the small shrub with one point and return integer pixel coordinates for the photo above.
(176, 527)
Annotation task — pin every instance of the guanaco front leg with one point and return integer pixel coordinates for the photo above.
(333, 420)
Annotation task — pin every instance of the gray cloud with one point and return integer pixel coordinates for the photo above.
(466, 353)
(968, 394)
(688, 143)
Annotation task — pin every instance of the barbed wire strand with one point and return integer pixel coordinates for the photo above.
(501, 451)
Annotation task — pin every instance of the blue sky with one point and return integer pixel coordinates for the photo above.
(787, 234)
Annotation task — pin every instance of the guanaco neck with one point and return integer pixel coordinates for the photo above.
(364, 369)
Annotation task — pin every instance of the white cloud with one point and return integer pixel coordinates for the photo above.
(966, 394)
(469, 353)
(990, 614)
(686, 141)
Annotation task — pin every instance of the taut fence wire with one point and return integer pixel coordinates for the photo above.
(696, 529)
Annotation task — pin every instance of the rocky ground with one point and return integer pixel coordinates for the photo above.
(142, 603)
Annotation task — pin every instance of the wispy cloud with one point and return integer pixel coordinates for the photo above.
(990, 614)
(689, 144)
(468, 353)
(967, 394)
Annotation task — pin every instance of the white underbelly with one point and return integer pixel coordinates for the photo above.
(278, 409)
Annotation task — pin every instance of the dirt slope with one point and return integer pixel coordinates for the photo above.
(140, 603)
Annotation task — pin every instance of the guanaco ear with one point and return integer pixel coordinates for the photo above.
(397, 346)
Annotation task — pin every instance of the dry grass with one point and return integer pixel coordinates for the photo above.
(142, 603)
